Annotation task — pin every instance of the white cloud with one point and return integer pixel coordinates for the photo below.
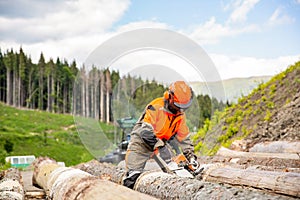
(279, 18)
(241, 10)
(239, 66)
(81, 26)
(77, 18)
(211, 32)
(151, 63)
(72, 32)
(142, 24)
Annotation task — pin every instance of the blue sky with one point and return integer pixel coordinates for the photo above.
(243, 37)
(271, 40)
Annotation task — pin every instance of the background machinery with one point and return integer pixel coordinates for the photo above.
(125, 126)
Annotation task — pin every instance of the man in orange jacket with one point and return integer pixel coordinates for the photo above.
(163, 121)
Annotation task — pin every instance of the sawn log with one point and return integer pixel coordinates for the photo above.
(69, 184)
(231, 153)
(167, 186)
(287, 183)
(11, 185)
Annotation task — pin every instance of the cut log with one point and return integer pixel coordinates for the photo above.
(167, 186)
(277, 147)
(287, 183)
(231, 153)
(276, 163)
(69, 183)
(11, 185)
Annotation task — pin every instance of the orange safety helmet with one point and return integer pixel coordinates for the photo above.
(181, 93)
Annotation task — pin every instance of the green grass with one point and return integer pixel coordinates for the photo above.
(43, 134)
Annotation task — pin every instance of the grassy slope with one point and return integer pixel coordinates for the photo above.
(241, 120)
(42, 134)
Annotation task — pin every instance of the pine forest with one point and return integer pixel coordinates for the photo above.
(58, 86)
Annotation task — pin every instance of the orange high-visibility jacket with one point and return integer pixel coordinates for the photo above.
(165, 123)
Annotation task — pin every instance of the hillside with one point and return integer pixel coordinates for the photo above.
(40, 133)
(271, 112)
(234, 88)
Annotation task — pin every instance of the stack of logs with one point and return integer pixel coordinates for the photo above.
(166, 186)
(94, 180)
(69, 183)
(11, 185)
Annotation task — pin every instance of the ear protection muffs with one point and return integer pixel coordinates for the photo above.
(167, 95)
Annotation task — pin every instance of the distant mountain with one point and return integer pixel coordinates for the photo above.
(233, 88)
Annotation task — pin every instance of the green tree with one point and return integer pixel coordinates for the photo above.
(41, 70)
(21, 89)
(2, 78)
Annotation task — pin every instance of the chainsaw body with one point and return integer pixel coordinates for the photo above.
(179, 165)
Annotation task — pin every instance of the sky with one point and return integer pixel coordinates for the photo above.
(243, 38)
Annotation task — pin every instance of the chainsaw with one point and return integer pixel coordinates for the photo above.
(179, 165)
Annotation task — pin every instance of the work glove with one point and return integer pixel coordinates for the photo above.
(192, 159)
(189, 154)
(159, 143)
(194, 163)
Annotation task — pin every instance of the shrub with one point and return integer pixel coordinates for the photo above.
(268, 116)
(8, 146)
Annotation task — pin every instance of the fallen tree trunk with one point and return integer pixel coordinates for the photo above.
(155, 183)
(277, 147)
(276, 163)
(231, 153)
(11, 185)
(69, 183)
(287, 183)
(167, 186)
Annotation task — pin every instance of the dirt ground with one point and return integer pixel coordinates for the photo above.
(31, 192)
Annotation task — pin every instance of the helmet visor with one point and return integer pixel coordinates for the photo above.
(183, 105)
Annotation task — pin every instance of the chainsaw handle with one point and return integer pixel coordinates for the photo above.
(155, 153)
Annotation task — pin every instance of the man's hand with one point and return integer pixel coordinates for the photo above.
(194, 164)
(159, 144)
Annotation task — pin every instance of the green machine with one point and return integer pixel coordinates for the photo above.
(126, 125)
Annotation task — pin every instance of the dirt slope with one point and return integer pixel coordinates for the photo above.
(270, 113)
(281, 117)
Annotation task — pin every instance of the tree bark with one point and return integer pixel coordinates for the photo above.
(82, 82)
(92, 95)
(96, 95)
(52, 95)
(166, 186)
(277, 147)
(65, 98)
(69, 183)
(14, 87)
(278, 182)
(8, 85)
(87, 96)
(108, 95)
(11, 185)
(48, 93)
(102, 95)
(231, 153)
